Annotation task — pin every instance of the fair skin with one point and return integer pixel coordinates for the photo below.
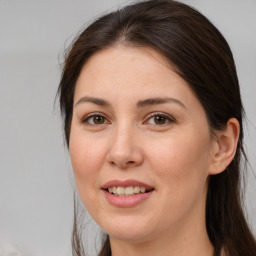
(135, 118)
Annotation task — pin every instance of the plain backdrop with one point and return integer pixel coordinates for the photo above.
(36, 184)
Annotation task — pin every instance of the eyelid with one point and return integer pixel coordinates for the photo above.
(85, 119)
(162, 114)
(170, 119)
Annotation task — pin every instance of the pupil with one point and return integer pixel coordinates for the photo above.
(160, 120)
(98, 120)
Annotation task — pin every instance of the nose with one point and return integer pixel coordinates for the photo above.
(125, 149)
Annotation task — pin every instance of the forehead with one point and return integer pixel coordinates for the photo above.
(122, 72)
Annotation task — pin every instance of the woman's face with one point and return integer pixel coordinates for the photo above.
(140, 145)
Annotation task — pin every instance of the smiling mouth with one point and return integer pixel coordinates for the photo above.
(127, 188)
(127, 191)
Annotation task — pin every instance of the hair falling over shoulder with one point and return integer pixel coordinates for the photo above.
(202, 57)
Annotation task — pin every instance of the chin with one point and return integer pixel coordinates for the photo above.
(127, 229)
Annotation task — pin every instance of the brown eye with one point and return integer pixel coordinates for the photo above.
(98, 120)
(95, 120)
(160, 119)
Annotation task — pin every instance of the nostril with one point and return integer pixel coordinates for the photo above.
(130, 162)
(122, 162)
(123, 165)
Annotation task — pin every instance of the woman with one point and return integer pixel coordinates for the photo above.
(153, 120)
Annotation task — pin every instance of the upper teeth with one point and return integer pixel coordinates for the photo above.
(125, 191)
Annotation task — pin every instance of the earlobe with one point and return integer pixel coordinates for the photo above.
(225, 145)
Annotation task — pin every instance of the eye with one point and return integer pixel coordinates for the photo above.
(95, 119)
(159, 119)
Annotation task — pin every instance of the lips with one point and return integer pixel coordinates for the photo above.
(127, 193)
(126, 183)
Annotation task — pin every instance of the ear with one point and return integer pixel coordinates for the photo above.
(225, 144)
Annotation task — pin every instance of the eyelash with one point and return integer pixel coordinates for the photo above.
(92, 116)
(167, 119)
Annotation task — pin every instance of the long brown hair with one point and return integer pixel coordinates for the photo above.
(202, 57)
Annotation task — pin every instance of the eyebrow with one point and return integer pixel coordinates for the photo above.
(156, 101)
(140, 104)
(96, 101)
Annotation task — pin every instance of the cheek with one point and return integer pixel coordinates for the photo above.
(86, 152)
(86, 156)
(180, 167)
(181, 162)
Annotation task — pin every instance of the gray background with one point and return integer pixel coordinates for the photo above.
(35, 174)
